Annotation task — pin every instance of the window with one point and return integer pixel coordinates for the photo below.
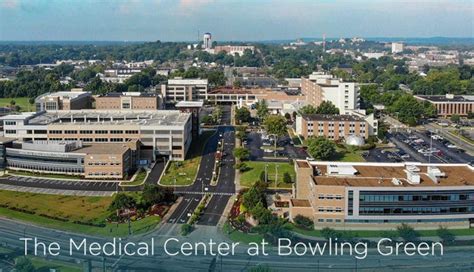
(131, 131)
(86, 131)
(116, 131)
(100, 140)
(55, 132)
(10, 123)
(101, 132)
(10, 131)
(70, 132)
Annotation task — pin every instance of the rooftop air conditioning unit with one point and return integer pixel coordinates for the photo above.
(413, 178)
(396, 181)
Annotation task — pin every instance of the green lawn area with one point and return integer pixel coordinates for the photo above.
(238, 236)
(348, 154)
(139, 179)
(378, 233)
(249, 177)
(185, 171)
(45, 265)
(462, 137)
(19, 101)
(70, 209)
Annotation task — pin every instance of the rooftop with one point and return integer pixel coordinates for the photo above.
(447, 98)
(73, 94)
(189, 104)
(383, 174)
(187, 81)
(300, 203)
(331, 117)
(135, 94)
(104, 148)
(84, 117)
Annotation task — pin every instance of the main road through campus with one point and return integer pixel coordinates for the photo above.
(220, 192)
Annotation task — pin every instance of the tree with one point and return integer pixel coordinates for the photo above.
(122, 201)
(303, 222)
(24, 264)
(327, 107)
(446, 236)
(262, 176)
(276, 124)
(455, 118)
(288, 116)
(207, 120)
(308, 109)
(321, 148)
(241, 153)
(186, 229)
(287, 178)
(470, 115)
(407, 233)
(237, 84)
(262, 109)
(329, 233)
(242, 115)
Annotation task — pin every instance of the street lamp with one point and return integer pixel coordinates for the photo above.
(276, 175)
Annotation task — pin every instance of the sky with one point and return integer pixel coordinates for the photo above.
(239, 20)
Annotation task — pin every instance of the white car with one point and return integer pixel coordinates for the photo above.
(309, 158)
(451, 146)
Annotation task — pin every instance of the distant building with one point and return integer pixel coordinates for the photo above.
(397, 47)
(207, 41)
(374, 55)
(319, 87)
(449, 104)
(73, 100)
(334, 127)
(119, 75)
(128, 101)
(233, 49)
(180, 89)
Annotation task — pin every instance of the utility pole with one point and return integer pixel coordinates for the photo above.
(276, 176)
(266, 175)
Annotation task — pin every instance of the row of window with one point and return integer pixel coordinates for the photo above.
(415, 210)
(329, 209)
(398, 198)
(329, 220)
(94, 132)
(330, 197)
(103, 163)
(105, 174)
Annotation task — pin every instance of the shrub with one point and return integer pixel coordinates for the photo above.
(407, 233)
(186, 229)
(303, 222)
(446, 236)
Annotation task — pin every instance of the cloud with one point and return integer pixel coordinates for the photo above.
(10, 4)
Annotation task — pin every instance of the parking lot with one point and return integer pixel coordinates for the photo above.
(427, 147)
(262, 146)
(53, 184)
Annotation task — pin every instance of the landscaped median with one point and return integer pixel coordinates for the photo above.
(254, 171)
(70, 213)
(182, 173)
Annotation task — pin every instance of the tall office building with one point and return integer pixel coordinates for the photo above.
(207, 41)
(397, 48)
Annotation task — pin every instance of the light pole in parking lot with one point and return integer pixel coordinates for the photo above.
(276, 175)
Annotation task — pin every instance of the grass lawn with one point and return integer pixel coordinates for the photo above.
(70, 208)
(45, 265)
(19, 101)
(139, 179)
(378, 233)
(185, 171)
(462, 137)
(348, 154)
(248, 178)
(238, 236)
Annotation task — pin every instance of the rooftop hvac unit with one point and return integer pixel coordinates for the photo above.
(413, 168)
(413, 178)
(435, 171)
(396, 181)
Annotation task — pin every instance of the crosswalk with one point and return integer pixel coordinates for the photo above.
(203, 193)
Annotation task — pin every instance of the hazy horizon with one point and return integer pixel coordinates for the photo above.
(232, 20)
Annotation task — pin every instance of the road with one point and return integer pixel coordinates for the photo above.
(454, 259)
(225, 187)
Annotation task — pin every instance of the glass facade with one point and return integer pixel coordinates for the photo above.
(416, 202)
